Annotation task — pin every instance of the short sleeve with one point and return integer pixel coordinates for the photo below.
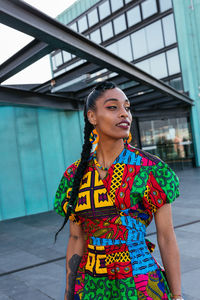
(162, 186)
(62, 196)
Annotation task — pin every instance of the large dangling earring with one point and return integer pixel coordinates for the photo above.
(129, 139)
(94, 137)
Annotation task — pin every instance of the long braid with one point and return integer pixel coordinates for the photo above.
(86, 149)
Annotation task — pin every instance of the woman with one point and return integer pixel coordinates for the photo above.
(110, 197)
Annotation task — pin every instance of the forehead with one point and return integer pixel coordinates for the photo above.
(115, 93)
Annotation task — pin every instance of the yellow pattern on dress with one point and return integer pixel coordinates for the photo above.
(116, 180)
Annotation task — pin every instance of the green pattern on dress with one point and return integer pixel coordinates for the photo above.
(60, 197)
(167, 179)
(102, 288)
(139, 184)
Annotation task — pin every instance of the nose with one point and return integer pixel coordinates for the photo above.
(123, 112)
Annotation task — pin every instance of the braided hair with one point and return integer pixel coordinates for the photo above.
(90, 104)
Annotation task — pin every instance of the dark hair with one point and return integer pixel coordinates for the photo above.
(90, 103)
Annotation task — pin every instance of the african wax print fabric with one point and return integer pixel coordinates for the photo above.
(114, 213)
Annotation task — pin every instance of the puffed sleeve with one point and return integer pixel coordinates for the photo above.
(62, 196)
(162, 186)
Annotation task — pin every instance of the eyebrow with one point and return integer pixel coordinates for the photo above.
(114, 99)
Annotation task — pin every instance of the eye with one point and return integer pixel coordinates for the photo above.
(112, 107)
(128, 108)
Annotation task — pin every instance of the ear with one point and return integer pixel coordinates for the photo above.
(92, 117)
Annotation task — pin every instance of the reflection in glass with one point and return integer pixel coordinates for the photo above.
(82, 24)
(133, 16)
(165, 5)
(173, 61)
(149, 7)
(170, 139)
(169, 30)
(93, 17)
(119, 24)
(154, 36)
(158, 66)
(104, 10)
(95, 36)
(107, 31)
(116, 4)
(177, 83)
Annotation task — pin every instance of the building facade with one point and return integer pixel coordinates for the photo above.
(149, 34)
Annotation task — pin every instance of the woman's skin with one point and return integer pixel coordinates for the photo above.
(112, 120)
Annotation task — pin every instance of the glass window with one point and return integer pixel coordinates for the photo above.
(154, 36)
(133, 16)
(74, 26)
(127, 1)
(58, 59)
(66, 56)
(165, 5)
(173, 61)
(149, 8)
(96, 36)
(116, 4)
(53, 63)
(93, 17)
(139, 43)
(124, 48)
(158, 66)
(82, 24)
(169, 30)
(177, 83)
(119, 24)
(144, 65)
(107, 31)
(104, 10)
(113, 48)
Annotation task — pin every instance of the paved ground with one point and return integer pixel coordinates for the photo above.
(32, 266)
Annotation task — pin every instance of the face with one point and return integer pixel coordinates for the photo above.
(112, 117)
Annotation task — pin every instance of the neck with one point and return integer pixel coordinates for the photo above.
(108, 150)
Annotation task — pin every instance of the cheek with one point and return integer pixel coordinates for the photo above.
(106, 120)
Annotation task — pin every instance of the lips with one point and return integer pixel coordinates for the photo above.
(123, 124)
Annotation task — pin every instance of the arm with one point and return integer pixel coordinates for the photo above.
(168, 248)
(75, 249)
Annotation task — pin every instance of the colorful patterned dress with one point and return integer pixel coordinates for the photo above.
(114, 214)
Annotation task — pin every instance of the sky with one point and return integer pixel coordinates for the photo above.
(13, 40)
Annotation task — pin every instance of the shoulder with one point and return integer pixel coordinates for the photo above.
(146, 158)
(71, 170)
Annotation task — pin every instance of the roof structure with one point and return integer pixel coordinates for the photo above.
(147, 94)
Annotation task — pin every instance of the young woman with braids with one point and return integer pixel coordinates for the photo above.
(110, 196)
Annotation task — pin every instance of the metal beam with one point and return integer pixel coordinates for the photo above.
(66, 77)
(10, 96)
(161, 113)
(29, 20)
(23, 58)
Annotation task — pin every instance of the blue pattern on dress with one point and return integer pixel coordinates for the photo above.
(141, 259)
(128, 157)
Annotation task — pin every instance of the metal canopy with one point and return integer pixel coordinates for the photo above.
(144, 91)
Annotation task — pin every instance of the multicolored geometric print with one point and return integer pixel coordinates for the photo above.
(114, 213)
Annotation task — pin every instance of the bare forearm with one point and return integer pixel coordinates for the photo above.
(171, 261)
(73, 258)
